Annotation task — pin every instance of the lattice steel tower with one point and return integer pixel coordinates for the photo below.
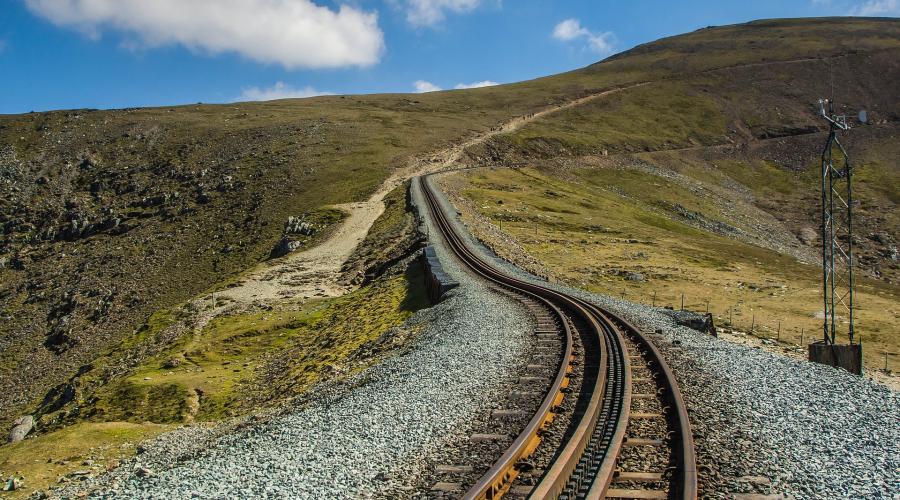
(837, 228)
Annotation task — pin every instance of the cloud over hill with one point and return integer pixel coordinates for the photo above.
(295, 34)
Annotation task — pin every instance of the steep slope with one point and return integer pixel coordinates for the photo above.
(109, 216)
(112, 218)
(706, 182)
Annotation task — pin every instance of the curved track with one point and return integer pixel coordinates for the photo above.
(604, 432)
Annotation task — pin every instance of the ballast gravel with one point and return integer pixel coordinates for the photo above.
(766, 424)
(371, 436)
(763, 423)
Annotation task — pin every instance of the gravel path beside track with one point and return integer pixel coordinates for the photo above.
(763, 423)
(768, 424)
(372, 436)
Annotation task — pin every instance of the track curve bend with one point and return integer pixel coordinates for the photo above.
(603, 423)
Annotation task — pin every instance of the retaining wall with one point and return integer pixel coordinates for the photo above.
(437, 282)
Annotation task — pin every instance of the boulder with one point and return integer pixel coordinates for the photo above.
(60, 338)
(21, 427)
(140, 471)
(12, 484)
(296, 225)
(808, 236)
(696, 321)
(285, 246)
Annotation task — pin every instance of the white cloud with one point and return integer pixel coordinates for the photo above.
(423, 86)
(293, 33)
(571, 29)
(280, 90)
(431, 12)
(877, 8)
(475, 85)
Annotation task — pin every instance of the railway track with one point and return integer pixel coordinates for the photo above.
(621, 431)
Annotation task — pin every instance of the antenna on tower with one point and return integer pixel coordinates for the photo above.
(837, 248)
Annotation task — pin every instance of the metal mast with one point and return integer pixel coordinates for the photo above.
(837, 229)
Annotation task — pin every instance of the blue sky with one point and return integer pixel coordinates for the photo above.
(60, 54)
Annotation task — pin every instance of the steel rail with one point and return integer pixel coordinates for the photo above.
(499, 478)
(685, 480)
(495, 479)
(586, 465)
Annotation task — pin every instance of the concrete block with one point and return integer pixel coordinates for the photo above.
(846, 356)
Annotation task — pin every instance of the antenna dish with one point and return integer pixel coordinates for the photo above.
(863, 116)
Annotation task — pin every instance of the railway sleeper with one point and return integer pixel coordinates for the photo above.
(453, 469)
(645, 494)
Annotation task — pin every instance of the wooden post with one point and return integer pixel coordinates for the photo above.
(654, 298)
(707, 306)
(752, 323)
(682, 301)
(779, 331)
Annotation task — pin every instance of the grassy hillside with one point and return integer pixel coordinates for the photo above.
(113, 220)
(179, 369)
(706, 182)
(110, 216)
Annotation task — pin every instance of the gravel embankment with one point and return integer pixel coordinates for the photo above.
(371, 436)
(768, 424)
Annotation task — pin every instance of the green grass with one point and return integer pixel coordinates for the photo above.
(42, 459)
(650, 117)
(238, 359)
(626, 230)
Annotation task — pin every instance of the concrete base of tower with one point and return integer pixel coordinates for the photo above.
(846, 356)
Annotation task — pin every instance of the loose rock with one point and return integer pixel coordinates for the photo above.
(21, 427)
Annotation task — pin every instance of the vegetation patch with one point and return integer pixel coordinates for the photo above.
(646, 254)
(70, 453)
(236, 360)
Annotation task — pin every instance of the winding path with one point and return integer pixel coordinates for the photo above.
(315, 272)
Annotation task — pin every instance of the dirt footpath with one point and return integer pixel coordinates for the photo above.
(315, 272)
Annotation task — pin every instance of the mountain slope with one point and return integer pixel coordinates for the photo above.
(713, 172)
(113, 218)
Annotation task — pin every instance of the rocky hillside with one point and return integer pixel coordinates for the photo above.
(705, 181)
(111, 216)
(744, 98)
